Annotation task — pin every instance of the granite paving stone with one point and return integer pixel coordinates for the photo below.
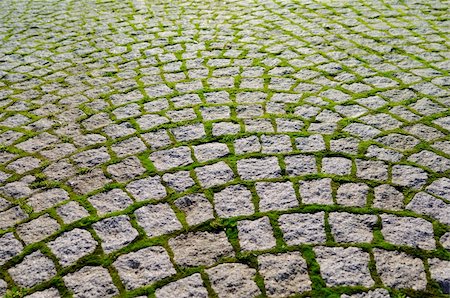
(247, 140)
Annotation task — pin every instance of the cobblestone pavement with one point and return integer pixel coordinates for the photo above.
(235, 148)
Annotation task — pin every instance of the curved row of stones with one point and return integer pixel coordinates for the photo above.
(224, 149)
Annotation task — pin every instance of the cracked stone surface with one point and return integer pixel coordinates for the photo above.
(246, 140)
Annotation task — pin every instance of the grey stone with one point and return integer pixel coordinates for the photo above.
(191, 286)
(16, 190)
(255, 234)
(299, 228)
(91, 281)
(247, 145)
(179, 181)
(24, 164)
(96, 121)
(424, 132)
(91, 181)
(91, 158)
(426, 204)
(344, 266)
(440, 271)
(34, 269)
(312, 143)
(225, 128)
(440, 187)
(49, 293)
(72, 245)
(383, 154)
(398, 141)
(345, 145)
(232, 201)
(445, 241)
(399, 270)
(352, 228)
(214, 175)
(189, 132)
(147, 188)
(371, 170)
(157, 139)
(276, 144)
(200, 248)
(276, 196)
(431, 160)
(387, 197)
(196, 208)
(233, 280)
(151, 121)
(171, 158)
(129, 146)
(115, 232)
(9, 247)
(37, 229)
(409, 176)
(126, 169)
(210, 151)
(336, 165)
(363, 131)
(298, 165)
(144, 267)
(316, 192)
(255, 168)
(157, 220)
(48, 198)
(113, 200)
(284, 274)
(352, 194)
(410, 231)
(72, 211)
(258, 125)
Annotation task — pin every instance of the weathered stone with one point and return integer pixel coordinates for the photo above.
(415, 232)
(113, 200)
(352, 228)
(91, 281)
(336, 165)
(115, 232)
(284, 274)
(377, 293)
(210, 151)
(91, 181)
(234, 200)
(399, 270)
(191, 286)
(179, 181)
(171, 158)
(147, 188)
(312, 143)
(299, 228)
(91, 158)
(72, 245)
(48, 198)
(408, 176)
(440, 271)
(127, 169)
(344, 266)
(9, 247)
(426, 204)
(37, 229)
(12, 216)
(196, 207)
(214, 175)
(298, 165)
(352, 194)
(72, 211)
(157, 220)
(233, 280)
(387, 197)
(200, 248)
(255, 234)
(144, 267)
(316, 192)
(276, 196)
(49, 293)
(34, 269)
(440, 187)
(371, 170)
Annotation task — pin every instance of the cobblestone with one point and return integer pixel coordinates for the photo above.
(248, 140)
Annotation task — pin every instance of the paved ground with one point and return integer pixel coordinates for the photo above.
(224, 148)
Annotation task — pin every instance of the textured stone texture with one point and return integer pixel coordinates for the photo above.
(191, 286)
(284, 274)
(344, 266)
(233, 280)
(91, 282)
(255, 234)
(34, 269)
(301, 228)
(72, 245)
(115, 232)
(144, 267)
(201, 248)
(157, 219)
